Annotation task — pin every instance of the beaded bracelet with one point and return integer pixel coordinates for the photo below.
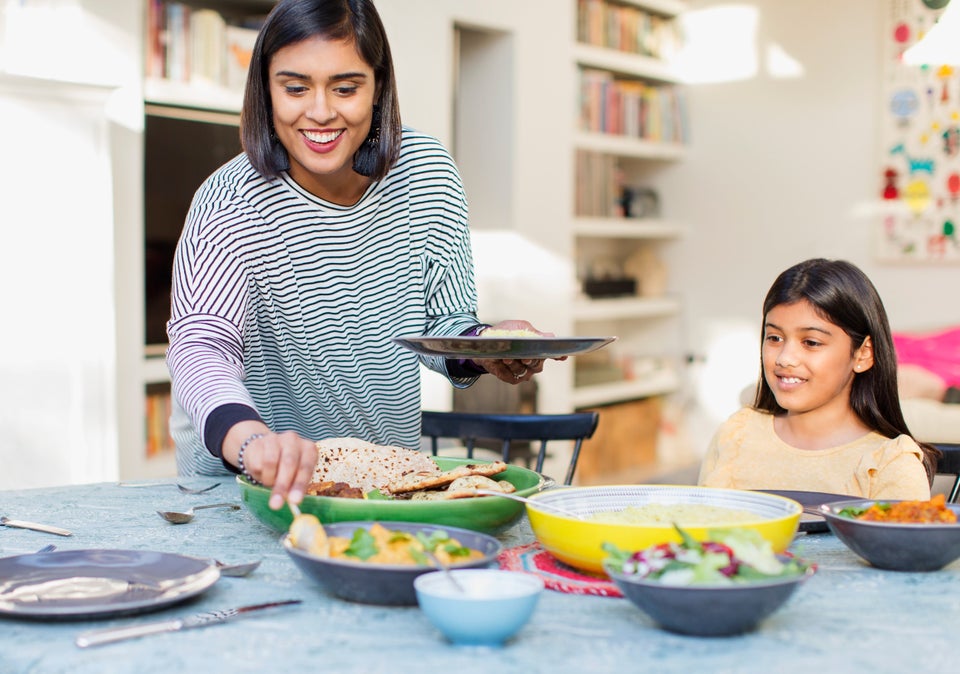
(243, 448)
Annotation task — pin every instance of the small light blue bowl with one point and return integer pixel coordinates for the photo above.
(492, 608)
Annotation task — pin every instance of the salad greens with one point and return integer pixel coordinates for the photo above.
(856, 512)
(727, 557)
(363, 545)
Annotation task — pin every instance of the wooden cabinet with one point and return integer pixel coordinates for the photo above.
(623, 450)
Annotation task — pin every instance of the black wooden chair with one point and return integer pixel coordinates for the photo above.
(468, 427)
(949, 464)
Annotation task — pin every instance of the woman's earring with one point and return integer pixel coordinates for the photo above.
(365, 159)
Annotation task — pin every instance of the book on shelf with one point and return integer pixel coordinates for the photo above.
(627, 28)
(157, 417)
(197, 45)
(240, 41)
(631, 107)
(599, 185)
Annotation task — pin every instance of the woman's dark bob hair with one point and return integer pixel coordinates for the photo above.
(842, 294)
(293, 21)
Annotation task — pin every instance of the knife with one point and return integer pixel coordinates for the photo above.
(20, 524)
(111, 634)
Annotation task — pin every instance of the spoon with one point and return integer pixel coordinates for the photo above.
(182, 487)
(237, 570)
(446, 570)
(535, 504)
(184, 517)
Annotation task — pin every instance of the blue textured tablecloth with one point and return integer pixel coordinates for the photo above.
(848, 618)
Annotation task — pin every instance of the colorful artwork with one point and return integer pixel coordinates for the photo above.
(918, 180)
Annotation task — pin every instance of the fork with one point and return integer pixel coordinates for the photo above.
(183, 488)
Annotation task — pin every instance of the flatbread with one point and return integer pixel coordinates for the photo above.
(436, 479)
(463, 487)
(368, 466)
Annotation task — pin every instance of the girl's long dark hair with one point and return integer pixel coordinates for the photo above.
(842, 294)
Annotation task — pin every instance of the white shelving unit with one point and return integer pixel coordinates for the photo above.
(640, 321)
(189, 100)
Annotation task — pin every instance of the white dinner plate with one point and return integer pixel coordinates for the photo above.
(72, 584)
(502, 347)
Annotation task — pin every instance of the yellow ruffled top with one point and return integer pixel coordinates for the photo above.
(747, 453)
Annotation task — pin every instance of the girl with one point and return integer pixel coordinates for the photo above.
(826, 415)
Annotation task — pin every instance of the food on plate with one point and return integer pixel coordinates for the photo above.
(365, 465)
(436, 479)
(463, 487)
(502, 332)
(681, 514)
(329, 488)
(934, 511)
(380, 545)
(727, 557)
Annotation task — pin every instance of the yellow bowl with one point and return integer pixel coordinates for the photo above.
(578, 542)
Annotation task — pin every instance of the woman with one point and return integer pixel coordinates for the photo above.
(334, 231)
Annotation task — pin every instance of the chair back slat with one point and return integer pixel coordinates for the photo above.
(949, 464)
(469, 427)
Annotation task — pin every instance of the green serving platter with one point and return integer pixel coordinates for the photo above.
(487, 514)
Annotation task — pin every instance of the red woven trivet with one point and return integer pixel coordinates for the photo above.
(555, 574)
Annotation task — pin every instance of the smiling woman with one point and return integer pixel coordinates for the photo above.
(335, 230)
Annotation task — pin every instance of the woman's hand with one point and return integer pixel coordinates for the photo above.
(514, 370)
(283, 461)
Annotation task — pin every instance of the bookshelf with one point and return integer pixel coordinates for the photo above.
(195, 56)
(629, 123)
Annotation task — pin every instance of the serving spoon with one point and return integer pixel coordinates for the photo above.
(535, 504)
(183, 517)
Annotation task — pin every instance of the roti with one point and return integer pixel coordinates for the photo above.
(366, 465)
(418, 481)
(463, 487)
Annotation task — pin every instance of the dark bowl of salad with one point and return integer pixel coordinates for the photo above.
(724, 586)
(898, 535)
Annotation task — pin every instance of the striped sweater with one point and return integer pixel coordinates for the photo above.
(285, 304)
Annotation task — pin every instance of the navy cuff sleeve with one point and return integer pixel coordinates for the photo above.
(464, 368)
(221, 420)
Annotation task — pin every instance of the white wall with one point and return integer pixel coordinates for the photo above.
(524, 262)
(69, 401)
(783, 168)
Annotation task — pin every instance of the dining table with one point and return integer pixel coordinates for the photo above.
(847, 617)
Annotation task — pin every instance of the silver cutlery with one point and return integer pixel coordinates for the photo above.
(182, 487)
(446, 570)
(46, 528)
(237, 570)
(535, 504)
(177, 517)
(112, 634)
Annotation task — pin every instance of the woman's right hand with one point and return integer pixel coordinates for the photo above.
(283, 461)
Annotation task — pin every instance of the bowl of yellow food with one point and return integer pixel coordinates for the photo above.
(634, 517)
(376, 563)
(898, 535)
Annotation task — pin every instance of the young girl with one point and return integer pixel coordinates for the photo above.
(826, 415)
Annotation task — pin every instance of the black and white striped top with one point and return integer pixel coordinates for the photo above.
(286, 303)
